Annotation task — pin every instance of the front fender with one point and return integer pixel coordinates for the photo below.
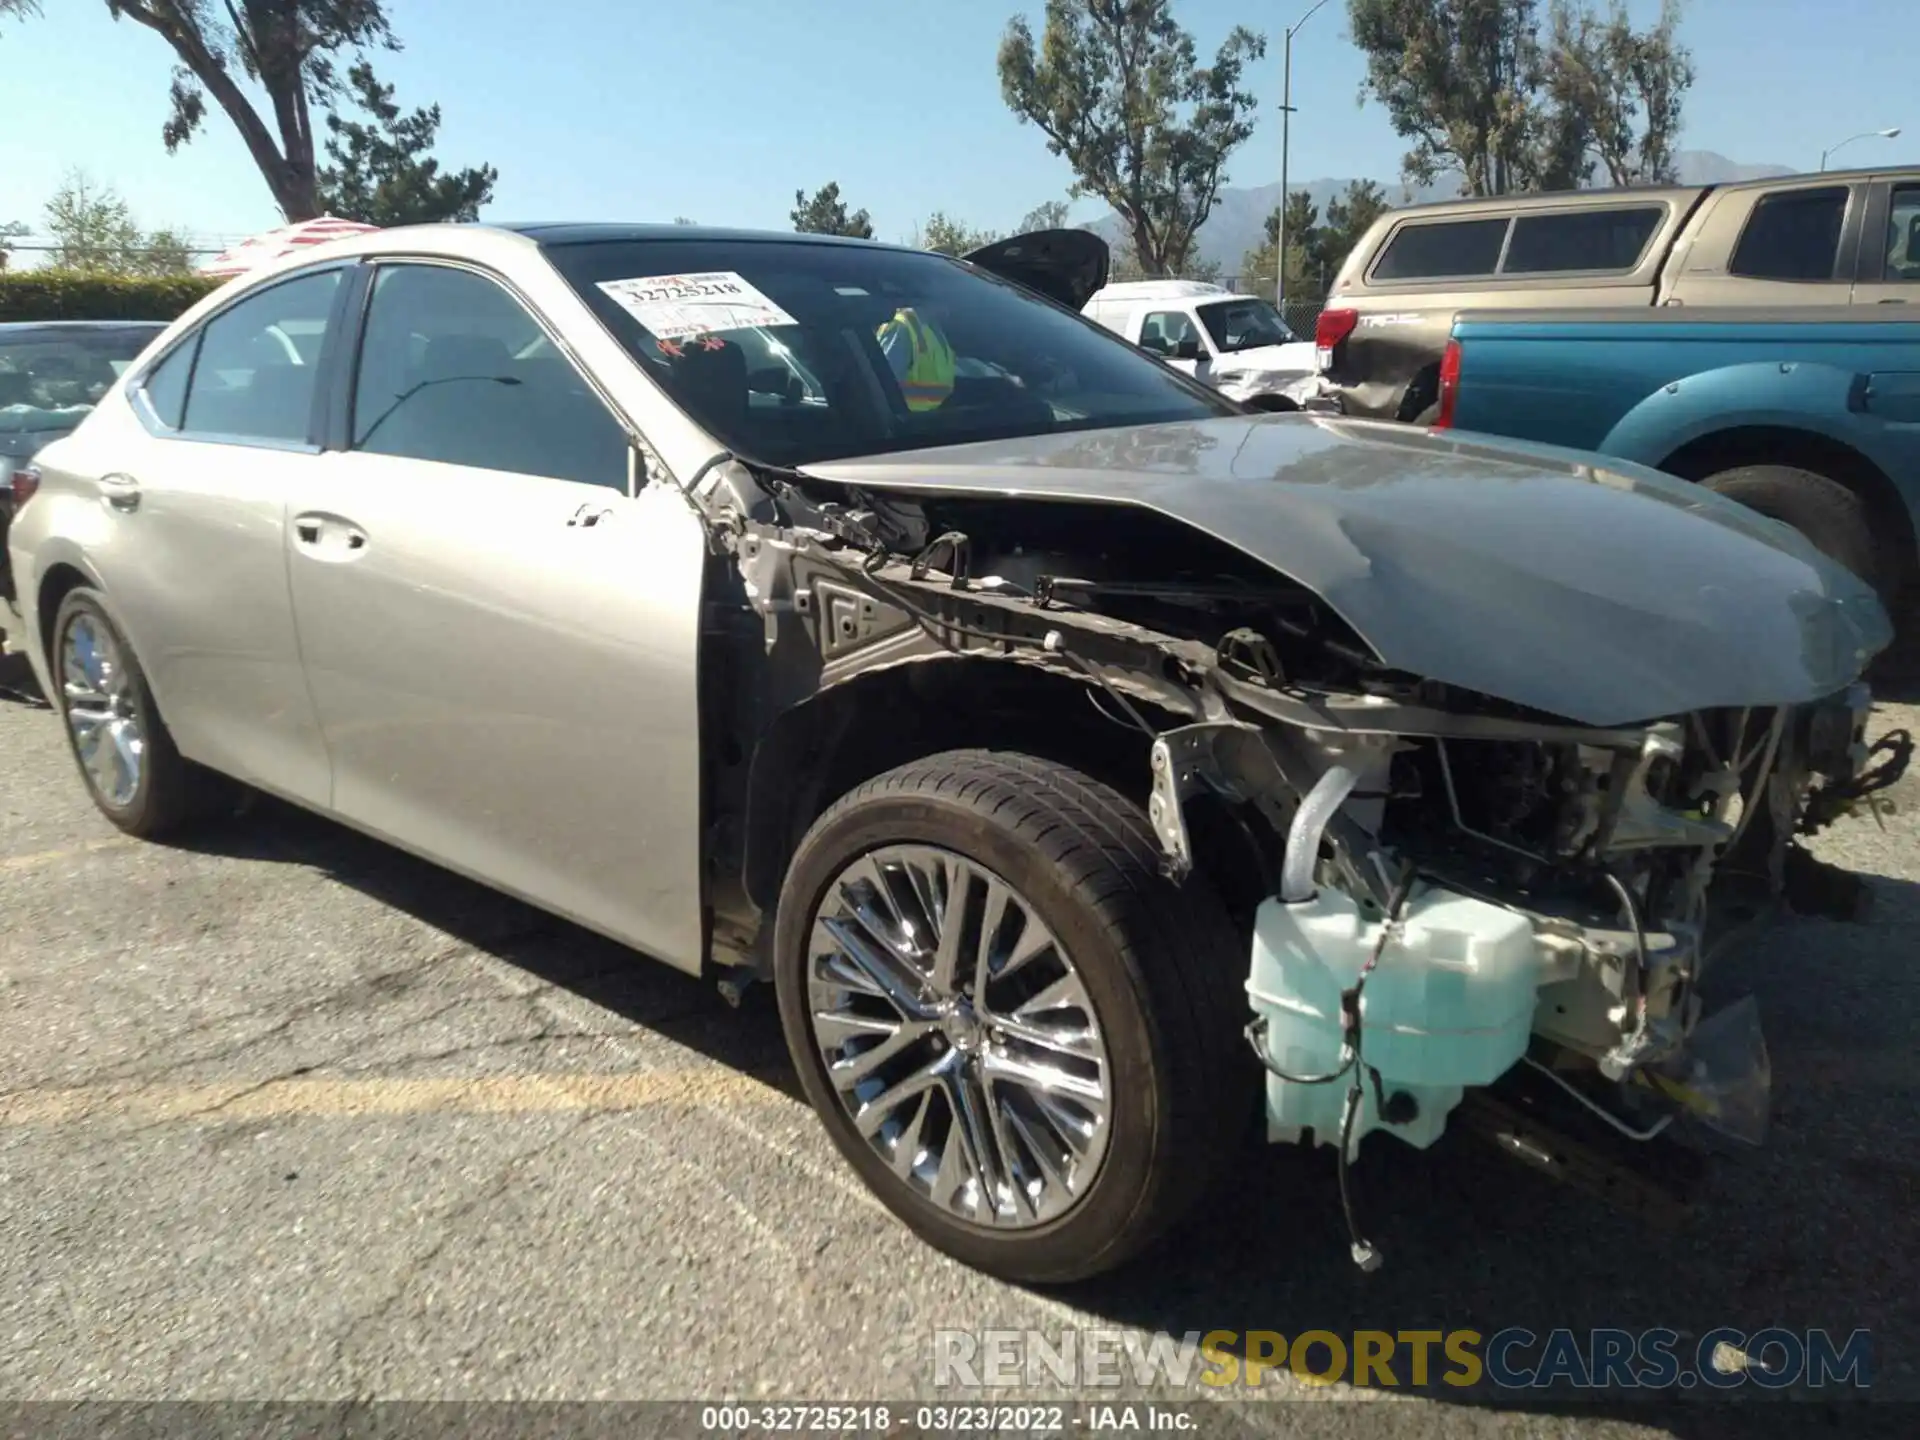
(1783, 394)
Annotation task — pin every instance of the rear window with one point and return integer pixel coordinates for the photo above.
(1792, 236)
(1583, 240)
(50, 377)
(1440, 248)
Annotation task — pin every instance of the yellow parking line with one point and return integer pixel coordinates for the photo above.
(315, 1098)
(49, 857)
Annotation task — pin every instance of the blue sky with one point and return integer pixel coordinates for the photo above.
(720, 109)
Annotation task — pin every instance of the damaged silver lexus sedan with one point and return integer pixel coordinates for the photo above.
(1096, 770)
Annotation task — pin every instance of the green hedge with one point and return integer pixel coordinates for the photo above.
(81, 295)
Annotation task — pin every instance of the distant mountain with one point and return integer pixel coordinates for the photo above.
(1239, 218)
(1703, 167)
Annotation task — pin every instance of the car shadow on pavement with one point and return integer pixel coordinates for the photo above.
(17, 685)
(621, 981)
(1813, 1230)
(1895, 674)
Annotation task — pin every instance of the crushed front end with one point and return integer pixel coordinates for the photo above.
(1459, 890)
(1467, 891)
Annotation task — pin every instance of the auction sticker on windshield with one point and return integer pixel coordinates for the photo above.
(672, 307)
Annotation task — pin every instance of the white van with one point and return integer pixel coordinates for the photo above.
(1236, 343)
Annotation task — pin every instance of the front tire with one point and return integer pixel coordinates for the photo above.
(135, 775)
(1019, 1033)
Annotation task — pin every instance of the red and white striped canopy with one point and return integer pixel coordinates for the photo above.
(249, 254)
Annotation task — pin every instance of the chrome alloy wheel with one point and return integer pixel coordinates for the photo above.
(959, 1036)
(102, 711)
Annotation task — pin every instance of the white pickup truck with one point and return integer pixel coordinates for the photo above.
(1236, 343)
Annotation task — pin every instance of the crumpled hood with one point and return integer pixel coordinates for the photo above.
(1605, 595)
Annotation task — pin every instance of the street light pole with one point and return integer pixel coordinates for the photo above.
(1892, 132)
(1286, 136)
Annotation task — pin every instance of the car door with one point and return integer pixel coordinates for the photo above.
(1174, 335)
(194, 551)
(499, 637)
(1890, 246)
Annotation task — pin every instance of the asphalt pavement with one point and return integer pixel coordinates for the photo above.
(286, 1114)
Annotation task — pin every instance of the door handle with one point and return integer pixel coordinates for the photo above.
(328, 537)
(1890, 300)
(120, 492)
(589, 515)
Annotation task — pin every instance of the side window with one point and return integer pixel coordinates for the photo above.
(1442, 249)
(1164, 332)
(166, 384)
(1580, 240)
(1794, 235)
(258, 362)
(453, 369)
(1903, 235)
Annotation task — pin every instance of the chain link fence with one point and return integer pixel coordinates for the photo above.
(1302, 315)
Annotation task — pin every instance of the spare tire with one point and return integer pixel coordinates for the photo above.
(1830, 515)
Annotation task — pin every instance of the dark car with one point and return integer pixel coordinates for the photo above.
(51, 375)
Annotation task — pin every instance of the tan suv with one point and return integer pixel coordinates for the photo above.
(1841, 238)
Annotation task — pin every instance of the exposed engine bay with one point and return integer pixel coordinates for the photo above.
(1458, 887)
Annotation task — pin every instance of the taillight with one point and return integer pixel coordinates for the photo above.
(1329, 330)
(26, 480)
(1449, 386)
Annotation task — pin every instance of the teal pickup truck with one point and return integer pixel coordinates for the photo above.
(1810, 416)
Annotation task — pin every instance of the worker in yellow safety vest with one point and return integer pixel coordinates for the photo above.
(921, 358)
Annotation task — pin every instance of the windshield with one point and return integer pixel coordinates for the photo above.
(773, 369)
(1244, 325)
(50, 378)
(796, 352)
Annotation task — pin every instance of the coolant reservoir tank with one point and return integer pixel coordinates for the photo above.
(1450, 1005)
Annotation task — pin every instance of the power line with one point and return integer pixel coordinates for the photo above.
(117, 249)
(213, 241)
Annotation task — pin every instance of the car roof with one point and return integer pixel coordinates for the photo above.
(1613, 195)
(1823, 177)
(19, 329)
(1622, 195)
(1162, 290)
(591, 232)
(493, 244)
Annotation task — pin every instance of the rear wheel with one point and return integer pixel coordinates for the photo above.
(1830, 515)
(1020, 1034)
(127, 758)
